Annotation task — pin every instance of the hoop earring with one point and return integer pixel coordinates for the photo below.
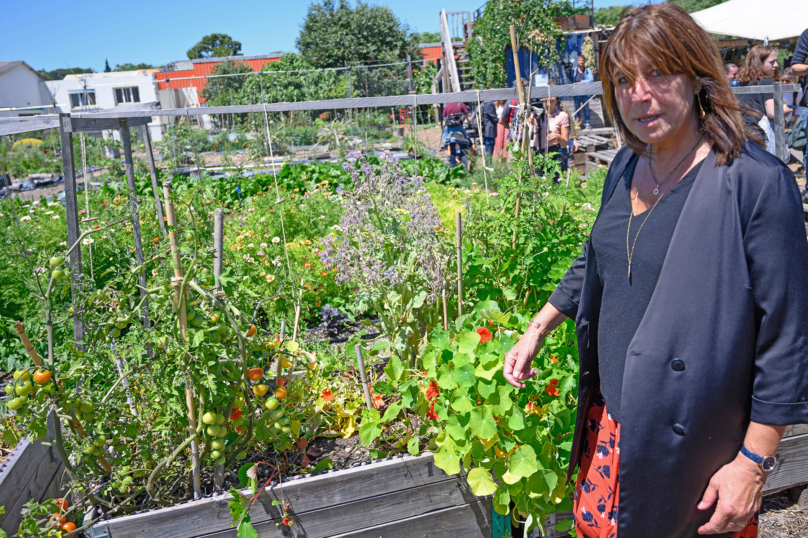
(701, 109)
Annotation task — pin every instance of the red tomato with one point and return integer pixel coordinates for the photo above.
(255, 373)
(69, 527)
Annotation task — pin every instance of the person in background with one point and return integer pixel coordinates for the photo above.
(490, 120)
(689, 300)
(583, 74)
(573, 135)
(788, 97)
(454, 114)
(501, 142)
(799, 68)
(760, 69)
(731, 71)
(555, 133)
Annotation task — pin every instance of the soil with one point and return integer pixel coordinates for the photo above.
(781, 517)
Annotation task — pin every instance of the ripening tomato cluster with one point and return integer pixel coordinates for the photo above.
(22, 390)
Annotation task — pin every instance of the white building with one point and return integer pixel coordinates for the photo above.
(104, 91)
(20, 91)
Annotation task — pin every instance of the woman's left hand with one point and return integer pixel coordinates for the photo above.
(738, 489)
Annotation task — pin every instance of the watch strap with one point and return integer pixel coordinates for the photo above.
(751, 455)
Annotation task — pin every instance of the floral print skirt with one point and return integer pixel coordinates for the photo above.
(597, 490)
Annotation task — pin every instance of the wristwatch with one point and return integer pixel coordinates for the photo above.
(766, 463)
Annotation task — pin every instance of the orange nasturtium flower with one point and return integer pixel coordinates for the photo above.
(377, 401)
(485, 335)
(327, 395)
(552, 388)
(432, 391)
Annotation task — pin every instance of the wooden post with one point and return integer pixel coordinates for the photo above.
(158, 204)
(126, 141)
(445, 312)
(779, 122)
(26, 342)
(297, 311)
(218, 246)
(363, 376)
(180, 302)
(280, 366)
(72, 209)
(520, 91)
(459, 265)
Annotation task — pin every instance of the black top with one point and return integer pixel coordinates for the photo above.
(756, 102)
(625, 300)
(490, 120)
(801, 57)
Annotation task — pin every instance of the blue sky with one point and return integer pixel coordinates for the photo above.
(59, 34)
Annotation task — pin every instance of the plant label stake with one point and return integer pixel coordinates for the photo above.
(363, 376)
(180, 302)
(459, 265)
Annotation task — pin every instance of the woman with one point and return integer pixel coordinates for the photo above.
(760, 69)
(501, 142)
(555, 133)
(690, 300)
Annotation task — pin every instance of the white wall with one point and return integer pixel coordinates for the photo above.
(19, 87)
(104, 85)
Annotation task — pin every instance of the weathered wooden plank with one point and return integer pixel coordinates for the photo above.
(467, 521)
(28, 124)
(304, 494)
(72, 211)
(87, 124)
(792, 467)
(350, 518)
(796, 429)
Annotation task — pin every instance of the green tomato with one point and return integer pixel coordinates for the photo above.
(189, 236)
(215, 454)
(213, 430)
(222, 431)
(272, 404)
(198, 321)
(127, 479)
(58, 274)
(22, 375)
(115, 333)
(217, 444)
(277, 414)
(87, 407)
(278, 426)
(220, 460)
(15, 403)
(56, 261)
(24, 389)
(89, 416)
(220, 419)
(190, 314)
(221, 329)
(10, 389)
(215, 317)
(238, 422)
(209, 417)
(97, 452)
(286, 429)
(100, 440)
(121, 323)
(284, 420)
(88, 450)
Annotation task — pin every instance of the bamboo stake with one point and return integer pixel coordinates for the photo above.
(445, 312)
(218, 246)
(521, 94)
(459, 265)
(180, 302)
(280, 367)
(297, 311)
(363, 376)
(20, 328)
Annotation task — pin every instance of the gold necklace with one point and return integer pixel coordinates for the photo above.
(630, 253)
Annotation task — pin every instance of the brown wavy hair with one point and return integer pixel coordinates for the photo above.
(752, 68)
(670, 40)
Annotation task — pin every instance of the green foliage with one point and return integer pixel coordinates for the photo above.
(608, 16)
(132, 67)
(62, 72)
(691, 6)
(215, 46)
(290, 80)
(536, 29)
(335, 34)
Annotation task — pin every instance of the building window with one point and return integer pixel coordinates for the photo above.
(82, 98)
(127, 95)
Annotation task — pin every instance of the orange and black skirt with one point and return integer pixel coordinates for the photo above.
(597, 490)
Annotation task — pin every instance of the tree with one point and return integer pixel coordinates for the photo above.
(60, 74)
(215, 46)
(608, 16)
(691, 6)
(334, 34)
(132, 67)
(429, 37)
(107, 68)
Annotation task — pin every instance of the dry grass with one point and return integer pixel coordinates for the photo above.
(781, 517)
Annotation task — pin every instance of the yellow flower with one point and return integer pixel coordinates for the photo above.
(261, 273)
(270, 278)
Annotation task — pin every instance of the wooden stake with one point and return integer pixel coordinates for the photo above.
(363, 376)
(158, 204)
(445, 312)
(297, 311)
(520, 91)
(179, 299)
(281, 338)
(218, 246)
(20, 328)
(459, 265)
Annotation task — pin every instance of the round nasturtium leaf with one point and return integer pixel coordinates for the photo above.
(481, 482)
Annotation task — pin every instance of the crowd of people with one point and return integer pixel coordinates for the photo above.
(555, 131)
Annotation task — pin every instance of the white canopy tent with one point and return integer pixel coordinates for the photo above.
(771, 20)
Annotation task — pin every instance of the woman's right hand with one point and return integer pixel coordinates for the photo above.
(519, 359)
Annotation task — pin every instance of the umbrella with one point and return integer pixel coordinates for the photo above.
(763, 21)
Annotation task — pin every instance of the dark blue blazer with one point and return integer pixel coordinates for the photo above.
(732, 304)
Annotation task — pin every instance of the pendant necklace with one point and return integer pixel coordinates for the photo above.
(630, 252)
